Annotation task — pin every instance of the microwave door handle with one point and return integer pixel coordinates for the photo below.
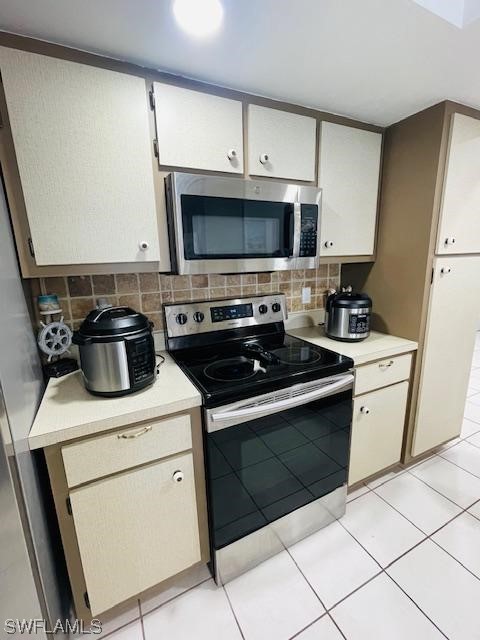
(345, 381)
(297, 228)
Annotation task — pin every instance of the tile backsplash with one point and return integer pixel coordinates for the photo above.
(147, 292)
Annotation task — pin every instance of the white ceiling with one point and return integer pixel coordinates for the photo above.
(374, 60)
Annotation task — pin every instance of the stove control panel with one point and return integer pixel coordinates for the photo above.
(190, 318)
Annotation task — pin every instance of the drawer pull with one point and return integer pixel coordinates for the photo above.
(178, 476)
(385, 365)
(134, 434)
(365, 410)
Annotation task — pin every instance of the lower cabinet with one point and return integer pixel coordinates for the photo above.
(134, 518)
(377, 430)
(136, 529)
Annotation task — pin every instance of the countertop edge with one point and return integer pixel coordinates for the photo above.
(39, 441)
(403, 345)
(385, 353)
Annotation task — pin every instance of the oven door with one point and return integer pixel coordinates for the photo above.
(273, 454)
(226, 225)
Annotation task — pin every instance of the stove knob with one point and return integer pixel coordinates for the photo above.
(198, 316)
(276, 307)
(263, 308)
(181, 318)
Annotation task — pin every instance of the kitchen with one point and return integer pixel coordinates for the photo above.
(239, 345)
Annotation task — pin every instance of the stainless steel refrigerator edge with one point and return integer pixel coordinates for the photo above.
(29, 585)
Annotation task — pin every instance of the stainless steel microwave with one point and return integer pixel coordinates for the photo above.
(231, 225)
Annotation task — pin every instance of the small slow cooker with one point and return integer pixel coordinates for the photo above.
(117, 353)
(347, 316)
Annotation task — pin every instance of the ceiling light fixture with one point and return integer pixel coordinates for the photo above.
(199, 18)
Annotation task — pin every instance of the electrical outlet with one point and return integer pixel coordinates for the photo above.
(306, 295)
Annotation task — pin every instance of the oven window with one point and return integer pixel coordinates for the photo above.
(261, 470)
(235, 228)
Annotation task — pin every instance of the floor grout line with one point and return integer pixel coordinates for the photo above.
(436, 490)
(454, 558)
(379, 573)
(337, 625)
(366, 550)
(178, 595)
(417, 605)
(306, 579)
(295, 635)
(141, 620)
(232, 610)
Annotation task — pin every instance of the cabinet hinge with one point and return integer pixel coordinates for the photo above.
(69, 506)
(155, 147)
(30, 248)
(87, 600)
(152, 99)
(431, 278)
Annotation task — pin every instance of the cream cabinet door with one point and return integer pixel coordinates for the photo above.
(197, 130)
(377, 430)
(136, 529)
(348, 173)
(459, 229)
(281, 144)
(453, 315)
(84, 153)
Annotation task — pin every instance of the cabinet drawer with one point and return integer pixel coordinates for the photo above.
(382, 373)
(96, 457)
(136, 529)
(377, 431)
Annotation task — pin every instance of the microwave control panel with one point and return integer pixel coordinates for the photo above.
(308, 230)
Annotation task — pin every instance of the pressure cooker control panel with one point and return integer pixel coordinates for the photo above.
(359, 323)
(141, 358)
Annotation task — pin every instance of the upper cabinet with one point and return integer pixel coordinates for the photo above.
(197, 130)
(459, 230)
(281, 144)
(348, 173)
(84, 153)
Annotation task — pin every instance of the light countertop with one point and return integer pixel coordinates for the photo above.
(375, 347)
(68, 411)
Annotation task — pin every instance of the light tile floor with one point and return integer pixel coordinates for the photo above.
(404, 562)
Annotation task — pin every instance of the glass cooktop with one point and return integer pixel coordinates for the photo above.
(233, 370)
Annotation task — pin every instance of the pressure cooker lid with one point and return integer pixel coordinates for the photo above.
(113, 321)
(349, 300)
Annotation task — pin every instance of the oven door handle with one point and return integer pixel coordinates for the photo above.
(344, 381)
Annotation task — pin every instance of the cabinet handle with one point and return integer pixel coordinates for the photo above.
(449, 241)
(445, 270)
(143, 245)
(328, 244)
(264, 158)
(178, 476)
(134, 434)
(365, 410)
(385, 365)
(232, 154)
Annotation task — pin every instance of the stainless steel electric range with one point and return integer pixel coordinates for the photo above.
(277, 417)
